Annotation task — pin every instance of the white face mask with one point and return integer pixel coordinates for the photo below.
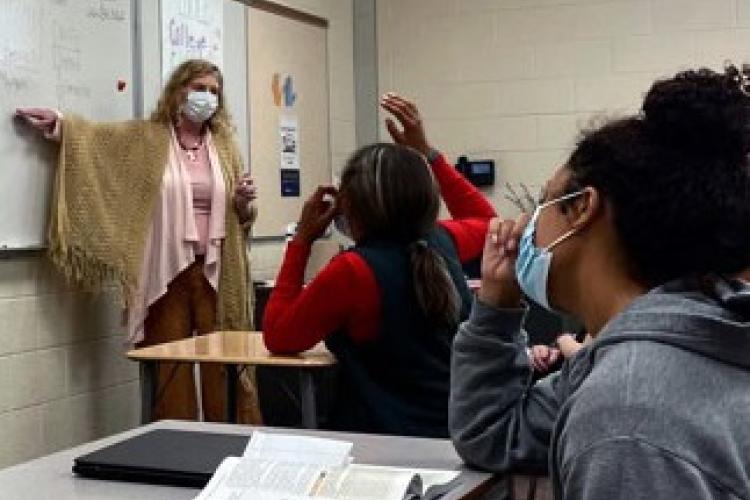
(200, 106)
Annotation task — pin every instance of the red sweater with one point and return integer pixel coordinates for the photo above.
(345, 296)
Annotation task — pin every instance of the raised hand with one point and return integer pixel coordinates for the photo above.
(499, 285)
(412, 132)
(317, 214)
(42, 119)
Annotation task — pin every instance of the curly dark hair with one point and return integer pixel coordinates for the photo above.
(676, 176)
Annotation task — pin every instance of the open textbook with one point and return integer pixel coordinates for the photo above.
(285, 467)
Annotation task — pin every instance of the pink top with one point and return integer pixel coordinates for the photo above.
(198, 167)
(173, 238)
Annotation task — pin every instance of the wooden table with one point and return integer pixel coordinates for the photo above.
(232, 349)
(50, 477)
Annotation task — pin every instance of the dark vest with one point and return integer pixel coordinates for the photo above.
(399, 383)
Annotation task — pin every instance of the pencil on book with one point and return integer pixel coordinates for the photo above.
(318, 485)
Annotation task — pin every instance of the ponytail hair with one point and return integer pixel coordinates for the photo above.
(435, 291)
(393, 196)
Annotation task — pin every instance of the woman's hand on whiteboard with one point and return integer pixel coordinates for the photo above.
(244, 193)
(317, 214)
(412, 132)
(42, 119)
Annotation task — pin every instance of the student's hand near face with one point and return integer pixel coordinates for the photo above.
(317, 214)
(499, 285)
(412, 130)
(543, 357)
(42, 119)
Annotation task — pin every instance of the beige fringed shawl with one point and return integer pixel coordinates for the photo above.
(108, 178)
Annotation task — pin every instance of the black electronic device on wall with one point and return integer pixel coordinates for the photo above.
(478, 172)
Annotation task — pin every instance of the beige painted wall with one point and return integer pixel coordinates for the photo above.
(514, 80)
(63, 379)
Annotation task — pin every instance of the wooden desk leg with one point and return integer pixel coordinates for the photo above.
(148, 390)
(231, 415)
(307, 400)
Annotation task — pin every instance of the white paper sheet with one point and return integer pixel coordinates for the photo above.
(242, 478)
(289, 141)
(299, 449)
(366, 483)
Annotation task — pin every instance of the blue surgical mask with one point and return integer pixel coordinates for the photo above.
(200, 106)
(533, 263)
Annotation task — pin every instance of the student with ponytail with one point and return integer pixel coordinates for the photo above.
(388, 308)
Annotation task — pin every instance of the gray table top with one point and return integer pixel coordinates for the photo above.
(50, 477)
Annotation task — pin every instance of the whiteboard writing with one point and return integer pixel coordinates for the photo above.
(62, 54)
(191, 29)
(107, 10)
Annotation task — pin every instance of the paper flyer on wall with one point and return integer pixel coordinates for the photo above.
(289, 135)
(190, 30)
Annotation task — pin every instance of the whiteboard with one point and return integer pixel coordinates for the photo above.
(190, 29)
(65, 54)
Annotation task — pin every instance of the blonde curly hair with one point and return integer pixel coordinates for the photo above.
(171, 100)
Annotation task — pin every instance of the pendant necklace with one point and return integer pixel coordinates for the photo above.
(190, 152)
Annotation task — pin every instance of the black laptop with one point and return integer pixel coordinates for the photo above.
(162, 456)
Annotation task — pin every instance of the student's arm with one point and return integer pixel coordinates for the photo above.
(468, 236)
(297, 317)
(462, 199)
(467, 205)
(497, 419)
(469, 208)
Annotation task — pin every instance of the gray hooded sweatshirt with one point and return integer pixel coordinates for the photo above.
(657, 407)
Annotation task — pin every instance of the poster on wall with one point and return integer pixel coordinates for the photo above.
(289, 182)
(289, 154)
(289, 141)
(190, 29)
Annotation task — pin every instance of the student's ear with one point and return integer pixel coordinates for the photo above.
(585, 208)
(342, 204)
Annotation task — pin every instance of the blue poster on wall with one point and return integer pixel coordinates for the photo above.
(289, 182)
